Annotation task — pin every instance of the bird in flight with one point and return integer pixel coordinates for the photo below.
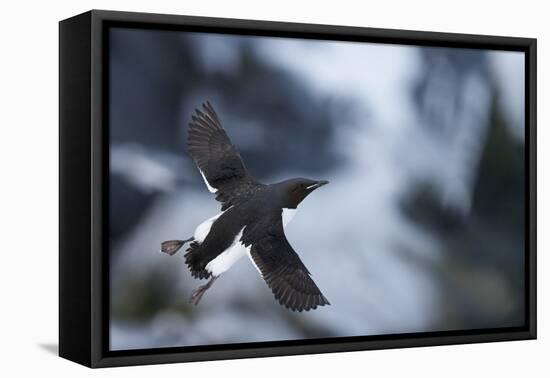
(252, 220)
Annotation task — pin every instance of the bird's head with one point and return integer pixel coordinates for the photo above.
(295, 190)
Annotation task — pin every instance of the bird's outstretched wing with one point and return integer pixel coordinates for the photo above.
(280, 266)
(217, 159)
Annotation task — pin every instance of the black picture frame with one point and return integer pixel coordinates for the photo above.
(84, 199)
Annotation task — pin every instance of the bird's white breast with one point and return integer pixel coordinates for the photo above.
(227, 258)
(288, 214)
(204, 228)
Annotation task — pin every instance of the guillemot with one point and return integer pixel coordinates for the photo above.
(252, 220)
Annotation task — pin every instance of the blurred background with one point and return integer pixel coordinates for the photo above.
(421, 227)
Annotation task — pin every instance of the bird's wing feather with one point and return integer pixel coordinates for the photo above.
(281, 267)
(218, 160)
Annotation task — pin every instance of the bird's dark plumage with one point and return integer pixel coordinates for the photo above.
(218, 160)
(251, 219)
(281, 268)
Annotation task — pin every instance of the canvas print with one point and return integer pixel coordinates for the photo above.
(271, 189)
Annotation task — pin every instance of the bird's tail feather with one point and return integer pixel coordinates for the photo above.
(196, 261)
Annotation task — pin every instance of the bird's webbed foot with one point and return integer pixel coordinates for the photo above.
(170, 247)
(197, 294)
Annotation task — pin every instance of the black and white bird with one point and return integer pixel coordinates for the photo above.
(251, 223)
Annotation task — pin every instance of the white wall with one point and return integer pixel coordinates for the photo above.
(28, 198)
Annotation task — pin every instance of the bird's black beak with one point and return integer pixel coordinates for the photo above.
(318, 184)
